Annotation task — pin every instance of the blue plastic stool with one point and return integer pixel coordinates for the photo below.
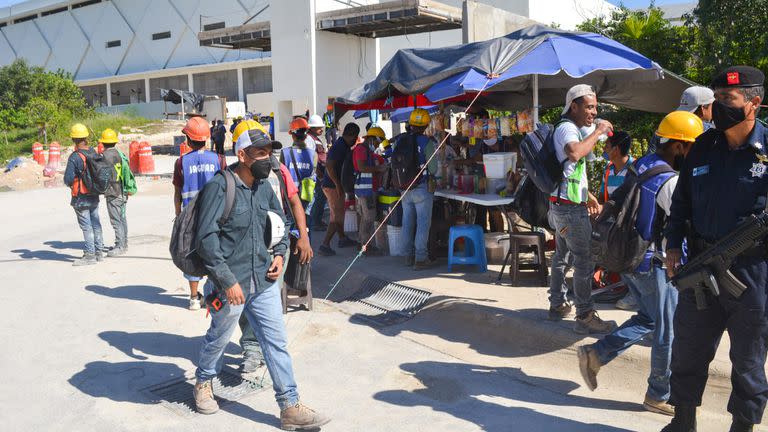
(474, 251)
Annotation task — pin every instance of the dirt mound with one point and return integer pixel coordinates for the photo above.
(28, 175)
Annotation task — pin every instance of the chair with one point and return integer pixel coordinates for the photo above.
(522, 242)
(474, 252)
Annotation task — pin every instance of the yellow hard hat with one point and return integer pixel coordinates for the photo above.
(245, 126)
(109, 136)
(680, 126)
(385, 143)
(419, 118)
(375, 132)
(78, 130)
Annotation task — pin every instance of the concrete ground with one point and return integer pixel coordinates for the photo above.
(82, 344)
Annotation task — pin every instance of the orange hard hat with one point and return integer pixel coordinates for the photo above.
(299, 123)
(197, 129)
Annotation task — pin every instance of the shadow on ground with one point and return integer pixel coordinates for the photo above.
(476, 394)
(157, 344)
(144, 293)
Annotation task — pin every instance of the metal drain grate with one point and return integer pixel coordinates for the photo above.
(177, 396)
(383, 303)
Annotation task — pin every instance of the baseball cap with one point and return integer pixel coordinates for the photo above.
(255, 138)
(694, 97)
(576, 92)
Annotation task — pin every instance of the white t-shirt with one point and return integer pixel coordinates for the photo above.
(565, 133)
(664, 196)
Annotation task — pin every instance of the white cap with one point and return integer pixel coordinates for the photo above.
(316, 121)
(576, 92)
(694, 97)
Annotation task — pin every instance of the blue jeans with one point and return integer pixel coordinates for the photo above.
(265, 314)
(657, 299)
(88, 219)
(573, 233)
(417, 215)
(317, 208)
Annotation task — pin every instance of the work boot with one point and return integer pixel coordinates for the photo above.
(589, 365)
(301, 417)
(116, 251)
(739, 425)
(99, 256)
(251, 362)
(87, 259)
(684, 420)
(556, 313)
(204, 401)
(658, 406)
(410, 261)
(591, 323)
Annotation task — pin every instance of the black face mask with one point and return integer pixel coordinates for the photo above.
(726, 117)
(300, 134)
(260, 168)
(677, 164)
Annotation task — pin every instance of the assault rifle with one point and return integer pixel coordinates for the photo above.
(711, 269)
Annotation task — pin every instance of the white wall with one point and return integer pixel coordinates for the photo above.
(343, 62)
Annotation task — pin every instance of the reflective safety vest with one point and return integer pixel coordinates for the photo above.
(647, 213)
(198, 168)
(364, 181)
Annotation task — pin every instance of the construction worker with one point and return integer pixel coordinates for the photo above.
(120, 188)
(84, 201)
(697, 100)
(300, 159)
(253, 358)
(235, 122)
(190, 173)
(369, 168)
(331, 130)
(656, 297)
(317, 208)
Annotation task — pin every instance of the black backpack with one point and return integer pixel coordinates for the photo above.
(404, 162)
(540, 158)
(616, 244)
(184, 231)
(531, 204)
(98, 172)
(348, 176)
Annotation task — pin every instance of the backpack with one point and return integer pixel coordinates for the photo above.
(348, 175)
(126, 176)
(182, 246)
(538, 151)
(616, 245)
(531, 204)
(404, 162)
(97, 174)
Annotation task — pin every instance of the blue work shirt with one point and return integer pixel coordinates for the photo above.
(718, 187)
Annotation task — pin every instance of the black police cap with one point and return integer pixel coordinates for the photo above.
(739, 76)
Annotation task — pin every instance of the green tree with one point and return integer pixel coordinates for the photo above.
(728, 33)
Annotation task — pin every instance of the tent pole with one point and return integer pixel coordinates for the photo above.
(535, 99)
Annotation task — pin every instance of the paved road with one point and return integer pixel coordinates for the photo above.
(81, 345)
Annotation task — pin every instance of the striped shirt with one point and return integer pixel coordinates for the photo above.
(612, 179)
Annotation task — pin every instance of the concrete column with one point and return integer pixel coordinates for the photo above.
(147, 90)
(109, 94)
(190, 82)
(240, 87)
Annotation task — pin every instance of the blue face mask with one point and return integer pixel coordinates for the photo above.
(708, 125)
(606, 157)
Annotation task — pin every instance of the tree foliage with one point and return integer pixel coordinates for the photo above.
(31, 95)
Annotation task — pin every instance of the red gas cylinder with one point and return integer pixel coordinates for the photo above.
(146, 161)
(133, 156)
(37, 153)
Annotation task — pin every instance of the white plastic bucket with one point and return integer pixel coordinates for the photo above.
(395, 241)
(350, 221)
(498, 164)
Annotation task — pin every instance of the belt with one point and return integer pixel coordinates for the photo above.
(561, 201)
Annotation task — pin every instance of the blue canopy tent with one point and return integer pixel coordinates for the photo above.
(399, 115)
(534, 66)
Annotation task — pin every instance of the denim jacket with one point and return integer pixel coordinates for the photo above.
(237, 250)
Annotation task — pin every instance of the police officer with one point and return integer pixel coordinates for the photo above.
(722, 181)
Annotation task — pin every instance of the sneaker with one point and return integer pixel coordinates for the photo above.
(326, 251)
(410, 261)
(591, 323)
(196, 303)
(116, 251)
(658, 407)
(87, 259)
(99, 256)
(589, 365)
(347, 242)
(627, 303)
(557, 313)
(423, 265)
(204, 401)
(301, 417)
(251, 362)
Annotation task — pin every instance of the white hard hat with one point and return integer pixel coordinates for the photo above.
(316, 121)
(276, 228)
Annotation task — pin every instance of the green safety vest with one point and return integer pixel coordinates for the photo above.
(576, 184)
